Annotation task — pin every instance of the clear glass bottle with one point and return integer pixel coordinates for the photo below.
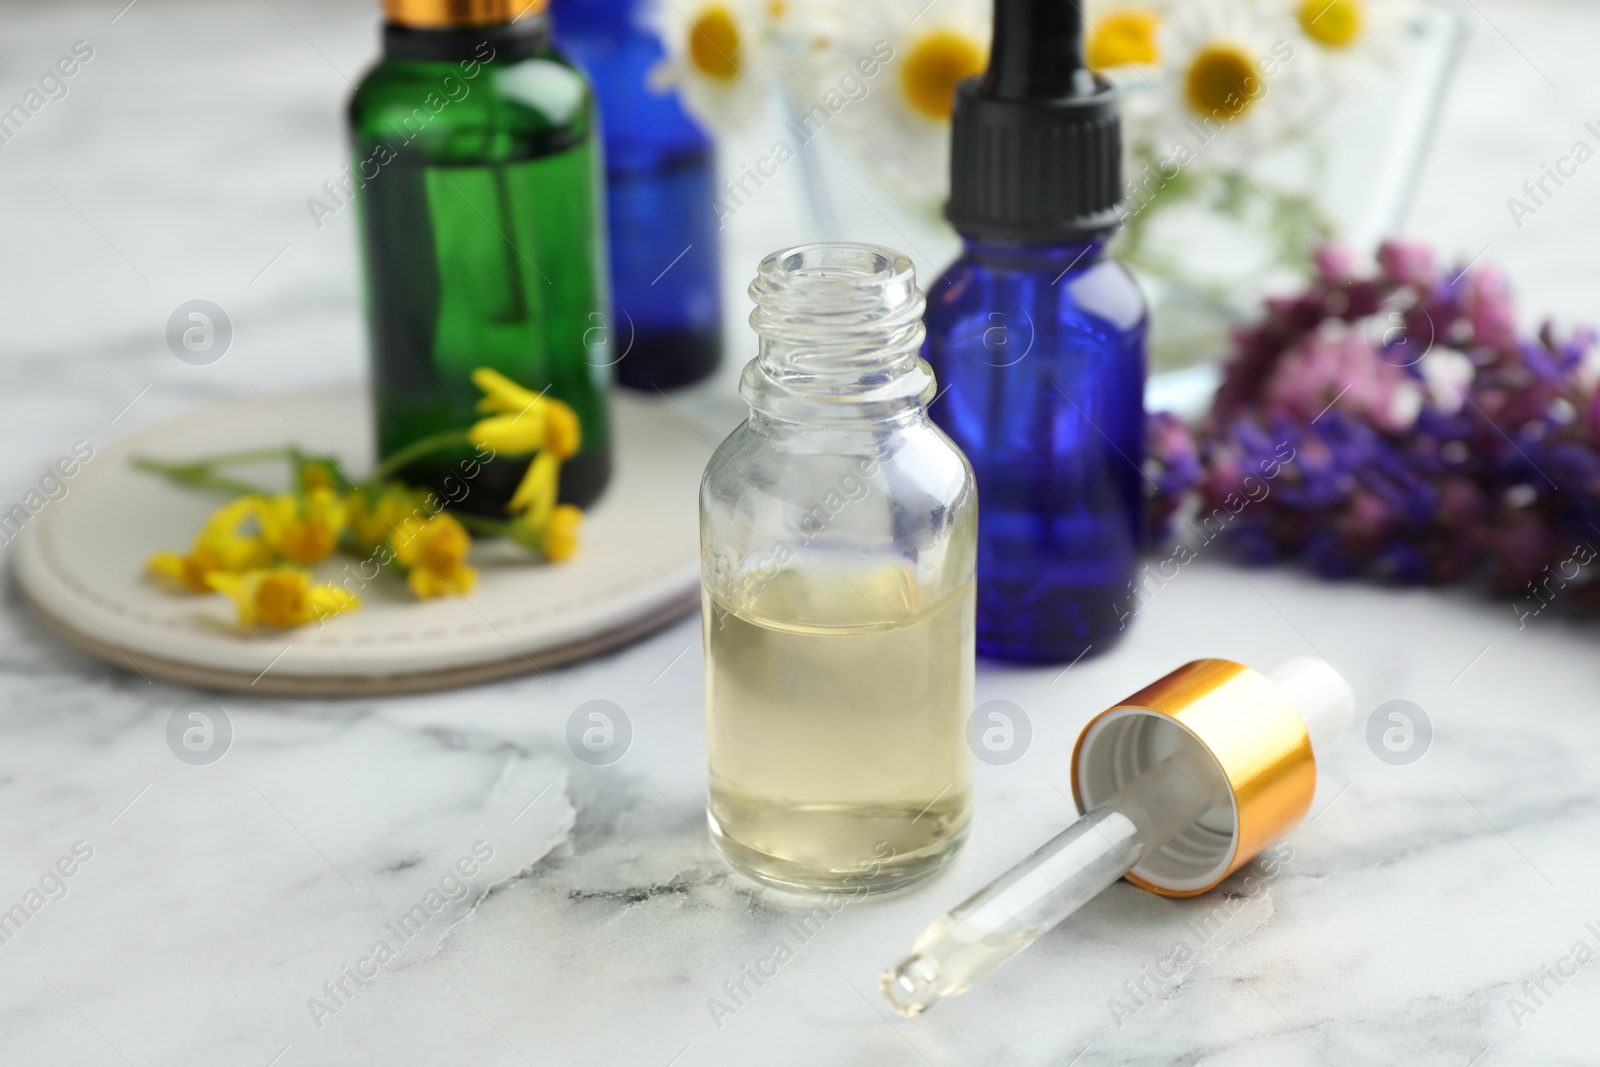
(477, 180)
(838, 532)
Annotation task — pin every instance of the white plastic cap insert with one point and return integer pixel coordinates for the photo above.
(1325, 701)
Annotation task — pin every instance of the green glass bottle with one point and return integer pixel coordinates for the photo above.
(479, 183)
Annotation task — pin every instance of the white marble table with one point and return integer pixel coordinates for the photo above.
(208, 905)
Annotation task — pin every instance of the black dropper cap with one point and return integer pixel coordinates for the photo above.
(1036, 142)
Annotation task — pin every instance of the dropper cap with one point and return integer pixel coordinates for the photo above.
(1263, 731)
(1036, 142)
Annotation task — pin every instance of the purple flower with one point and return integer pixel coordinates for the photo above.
(1408, 263)
(1367, 519)
(1461, 505)
(1490, 309)
(1403, 428)
(1337, 364)
(1403, 564)
(1172, 468)
(1329, 556)
(1336, 264)
(1524, 544)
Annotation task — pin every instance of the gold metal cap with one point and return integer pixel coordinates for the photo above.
(444, 14)
(1263, 756)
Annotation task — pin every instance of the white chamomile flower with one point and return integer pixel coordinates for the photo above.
(919, 52)
(1355, 39)
(720, 58)
(806, 33)
(1120, 35)
(808, 23)
(1228, 87)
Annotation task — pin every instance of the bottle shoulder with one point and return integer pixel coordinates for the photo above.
(1042, 285)
(797, 463)
(507, 103)
(643, 127)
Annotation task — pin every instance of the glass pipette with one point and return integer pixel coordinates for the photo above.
(1137, 821)
(1068, 871)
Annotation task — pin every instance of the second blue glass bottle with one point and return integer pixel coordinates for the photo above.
(1039, 339)
(661, 195)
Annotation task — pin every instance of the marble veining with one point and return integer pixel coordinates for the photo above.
(1427, 914)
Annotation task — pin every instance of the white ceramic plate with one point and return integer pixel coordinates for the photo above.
(80, 562)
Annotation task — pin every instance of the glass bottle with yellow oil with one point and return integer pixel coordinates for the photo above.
(838, 529)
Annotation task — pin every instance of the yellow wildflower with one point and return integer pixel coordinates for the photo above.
(371, 521)
(501, 395)
(545, 423)
(563, 434)
(319, 474)
(512, 435)
(536, 494)
(554, 536)
(220, 546)
(435, 554)
(521, 421)
(304, 528)
(561, 534)
(184, 572)
(284, 597)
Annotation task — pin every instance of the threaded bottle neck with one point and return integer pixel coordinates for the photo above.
(840, 328)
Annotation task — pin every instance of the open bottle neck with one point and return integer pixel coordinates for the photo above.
(841, 331)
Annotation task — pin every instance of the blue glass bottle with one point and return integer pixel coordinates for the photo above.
(1040, 350)
(661, 186)
(1038, 338)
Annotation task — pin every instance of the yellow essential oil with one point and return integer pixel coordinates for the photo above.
(837, 746)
